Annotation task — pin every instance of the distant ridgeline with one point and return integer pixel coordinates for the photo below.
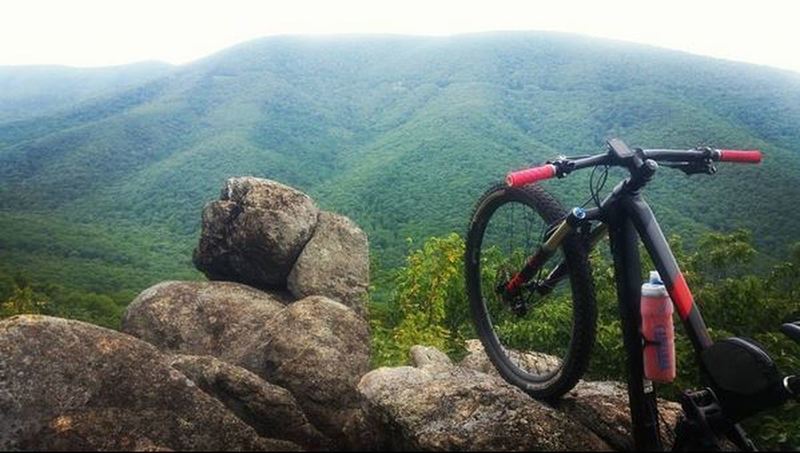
(100, 188)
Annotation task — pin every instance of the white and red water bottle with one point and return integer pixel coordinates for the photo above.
(658, 331)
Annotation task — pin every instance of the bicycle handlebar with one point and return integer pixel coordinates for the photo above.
(563, 166)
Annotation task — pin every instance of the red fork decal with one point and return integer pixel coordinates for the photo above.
(514, 283)
(681, 296)
(527, 272)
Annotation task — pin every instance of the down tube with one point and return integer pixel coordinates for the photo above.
(661, 254)
(628, 273)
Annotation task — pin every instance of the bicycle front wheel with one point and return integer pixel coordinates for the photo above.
(538, 340)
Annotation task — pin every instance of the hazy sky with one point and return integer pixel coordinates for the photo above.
(106, 32)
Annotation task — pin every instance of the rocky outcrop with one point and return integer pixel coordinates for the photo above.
(227, 366)
(254, 233)
(271, 410)
(67, 385)
(201, 318)
(603, 407)
(318, 349)
(315, 348)
(600, 406)
(438, 406)
(334, 263)
(271, 236)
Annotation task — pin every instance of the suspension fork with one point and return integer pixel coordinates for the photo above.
(577, 217)
(561, 271)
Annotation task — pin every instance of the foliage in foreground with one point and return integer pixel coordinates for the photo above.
(18, 295)
(428, 306)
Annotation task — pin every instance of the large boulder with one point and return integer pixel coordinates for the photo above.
(334, 263)
(318, 349)
(271, 410)
(201, 318)
(438, 406)
(255, 232)
(67, 385)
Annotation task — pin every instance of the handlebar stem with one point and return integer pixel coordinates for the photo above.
(641, 175)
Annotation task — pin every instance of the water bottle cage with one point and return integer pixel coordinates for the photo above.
(648, 342)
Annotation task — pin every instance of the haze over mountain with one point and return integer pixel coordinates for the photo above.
(29, 91)
(103, 192)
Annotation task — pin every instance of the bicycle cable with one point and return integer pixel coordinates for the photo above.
(596, 187)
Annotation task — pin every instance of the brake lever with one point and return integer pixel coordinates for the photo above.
(693, 168)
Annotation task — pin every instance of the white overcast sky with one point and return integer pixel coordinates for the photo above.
(109, 32)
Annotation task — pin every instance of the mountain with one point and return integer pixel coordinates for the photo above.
(28, 91)
(399, 133)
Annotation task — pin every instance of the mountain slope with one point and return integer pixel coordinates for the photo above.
(28, 91)
(399, 133)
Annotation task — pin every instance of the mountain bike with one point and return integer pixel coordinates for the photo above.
(532, 295)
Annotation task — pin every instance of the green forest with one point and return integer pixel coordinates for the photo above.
(401, 134)
(104, 172)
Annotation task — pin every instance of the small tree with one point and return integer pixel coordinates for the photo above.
(23, 300)
(429, 300)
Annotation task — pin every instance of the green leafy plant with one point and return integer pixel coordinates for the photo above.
(429, 303)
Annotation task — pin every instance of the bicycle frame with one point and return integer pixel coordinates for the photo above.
(629, 219)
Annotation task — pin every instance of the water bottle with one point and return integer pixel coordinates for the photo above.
(657, 330)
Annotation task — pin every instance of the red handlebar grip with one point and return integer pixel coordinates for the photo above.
(522, 177)
(746, 157)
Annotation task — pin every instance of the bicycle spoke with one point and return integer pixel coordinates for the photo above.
(513, 317)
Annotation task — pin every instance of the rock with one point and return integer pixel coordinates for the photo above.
(271, 410)
(430, 359)
(318, 349)
(255, 232)
(603, 407)
(200, 318)
(334, 264)
(454, 408)
(67, 385)
(476, 359)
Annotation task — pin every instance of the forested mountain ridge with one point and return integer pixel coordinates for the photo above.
(399, 133)
(29, 91)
